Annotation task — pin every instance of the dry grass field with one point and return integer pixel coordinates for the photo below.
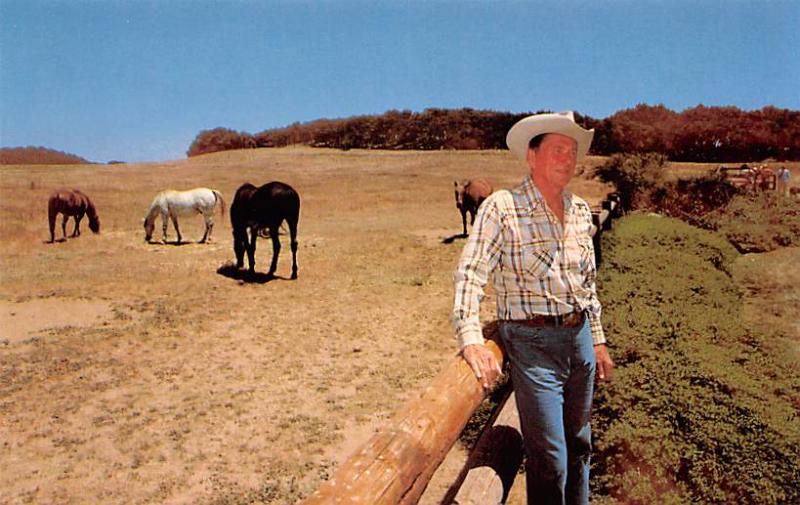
(135, 373)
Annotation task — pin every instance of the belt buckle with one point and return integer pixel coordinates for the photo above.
(566, 320)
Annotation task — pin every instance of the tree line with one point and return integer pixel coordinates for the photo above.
(701, 134)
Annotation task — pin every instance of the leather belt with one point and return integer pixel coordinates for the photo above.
(570, 320)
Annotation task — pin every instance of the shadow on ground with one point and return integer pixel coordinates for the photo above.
(452, 238)
(230, 271)
(174, 242)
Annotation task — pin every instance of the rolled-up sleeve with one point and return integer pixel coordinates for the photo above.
(479, 257)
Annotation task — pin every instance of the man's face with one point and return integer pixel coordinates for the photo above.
(553, 163)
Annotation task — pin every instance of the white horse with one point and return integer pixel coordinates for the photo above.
(172, 204)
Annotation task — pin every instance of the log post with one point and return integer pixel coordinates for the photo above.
(493, 464)
(615, 205)
(606, 213)
(395, 465)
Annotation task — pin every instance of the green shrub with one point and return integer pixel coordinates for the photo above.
(693, 199)
(699, 411)
(758, 222)
(751, 222)
(635, 176)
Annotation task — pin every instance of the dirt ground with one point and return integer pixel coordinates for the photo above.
(771, 284)
(136, 373)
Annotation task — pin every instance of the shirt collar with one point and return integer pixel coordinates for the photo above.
(535, 198)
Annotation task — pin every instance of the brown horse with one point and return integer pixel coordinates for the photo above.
(71, 203)
(470, 193)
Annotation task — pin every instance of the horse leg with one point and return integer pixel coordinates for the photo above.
(209, 225)
(164, 223)
(251, 249)
(472, 213)
(239, 244)
(77, 231)
(276, 249)
(51, 218)
(175, 224)
(293, 235)
(64, 227)
(464, 221)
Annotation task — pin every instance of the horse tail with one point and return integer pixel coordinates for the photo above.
(220, 200)
(52, 212)
(52, 202)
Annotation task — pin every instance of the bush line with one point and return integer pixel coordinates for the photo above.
(700, 410)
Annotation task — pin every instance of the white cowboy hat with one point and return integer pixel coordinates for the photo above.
(561, 122)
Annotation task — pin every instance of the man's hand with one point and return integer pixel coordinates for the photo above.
(483, 364)
(605, 367)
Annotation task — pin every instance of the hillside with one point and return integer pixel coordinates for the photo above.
(38, 156)
(124, 361)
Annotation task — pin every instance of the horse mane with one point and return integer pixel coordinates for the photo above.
(153, 211)
(91, 211)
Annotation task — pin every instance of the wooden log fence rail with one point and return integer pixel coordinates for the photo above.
(394, 466)
(494, 461)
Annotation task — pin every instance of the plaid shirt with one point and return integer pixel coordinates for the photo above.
(538, 267)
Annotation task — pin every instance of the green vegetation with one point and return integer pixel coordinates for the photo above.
(758, 223)
(751, 222)
(703, 409)
(636, 177)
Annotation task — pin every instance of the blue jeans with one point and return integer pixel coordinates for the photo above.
(552, 370)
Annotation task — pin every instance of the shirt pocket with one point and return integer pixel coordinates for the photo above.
(586, 250)
(538, 257)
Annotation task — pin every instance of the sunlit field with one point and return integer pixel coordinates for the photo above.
(134, 372)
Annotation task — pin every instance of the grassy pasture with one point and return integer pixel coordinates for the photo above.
(134, 372)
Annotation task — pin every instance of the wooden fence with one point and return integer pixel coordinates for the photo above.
(752, 179)
(394, 466)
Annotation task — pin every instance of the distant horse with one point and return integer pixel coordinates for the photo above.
(470, 193)
(171, 204)
(256, 209)
(71, 203)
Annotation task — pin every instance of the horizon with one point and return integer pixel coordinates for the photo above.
(137, 81)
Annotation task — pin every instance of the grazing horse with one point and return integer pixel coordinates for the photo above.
(71, 203)
(171, 204)
(256, 209)
(470, 193)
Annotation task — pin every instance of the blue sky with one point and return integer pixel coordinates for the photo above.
(137, 80)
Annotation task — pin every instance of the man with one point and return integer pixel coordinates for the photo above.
(784, 176)
(536, 242)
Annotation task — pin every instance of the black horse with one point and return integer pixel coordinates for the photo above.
(265, 208)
